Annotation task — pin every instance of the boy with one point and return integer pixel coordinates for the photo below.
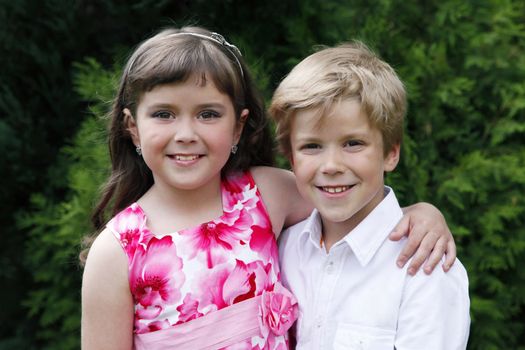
(339, 116)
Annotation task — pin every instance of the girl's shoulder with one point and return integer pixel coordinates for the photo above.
(106, 259)
(280, 195)
(265, 176)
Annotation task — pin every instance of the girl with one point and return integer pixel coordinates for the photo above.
(189, 259)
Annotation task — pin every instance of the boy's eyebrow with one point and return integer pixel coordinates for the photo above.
(301, 136)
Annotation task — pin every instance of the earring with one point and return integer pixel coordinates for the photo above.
(234, 149)
(138, 150)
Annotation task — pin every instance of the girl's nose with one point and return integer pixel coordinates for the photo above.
(185, 131)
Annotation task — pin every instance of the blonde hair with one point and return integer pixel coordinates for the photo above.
(348, 71)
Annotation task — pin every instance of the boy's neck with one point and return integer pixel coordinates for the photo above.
(333, 232)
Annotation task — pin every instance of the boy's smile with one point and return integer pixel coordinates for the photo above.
(339, 162)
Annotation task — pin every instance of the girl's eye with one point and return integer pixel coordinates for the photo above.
(162, 115)
(310, 146)
(208, 115)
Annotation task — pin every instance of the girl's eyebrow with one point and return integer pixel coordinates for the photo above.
(217, 105)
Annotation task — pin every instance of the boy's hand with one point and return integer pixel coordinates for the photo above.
(427, 232)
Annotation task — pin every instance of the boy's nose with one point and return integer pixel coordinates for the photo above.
(332, 163)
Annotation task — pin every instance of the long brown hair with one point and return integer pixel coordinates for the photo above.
(170, 57)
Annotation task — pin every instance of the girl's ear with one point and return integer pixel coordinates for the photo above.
(131, 126)
(240, 125)
(392, 158)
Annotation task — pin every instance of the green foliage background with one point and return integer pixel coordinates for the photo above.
(464, 66)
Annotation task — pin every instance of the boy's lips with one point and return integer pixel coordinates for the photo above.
(335, 189)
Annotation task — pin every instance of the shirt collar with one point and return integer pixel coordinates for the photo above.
(312, 229)
(366, 238)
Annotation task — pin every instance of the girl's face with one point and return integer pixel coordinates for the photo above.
(186, 131)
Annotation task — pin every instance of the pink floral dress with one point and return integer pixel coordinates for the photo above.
(184, 275)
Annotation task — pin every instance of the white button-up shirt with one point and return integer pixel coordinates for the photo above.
(355, 296)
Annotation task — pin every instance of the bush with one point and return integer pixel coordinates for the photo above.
(464, 67)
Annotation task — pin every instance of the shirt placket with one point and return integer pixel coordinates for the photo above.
(327, 284)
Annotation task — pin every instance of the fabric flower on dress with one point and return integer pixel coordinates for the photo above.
(278, 310)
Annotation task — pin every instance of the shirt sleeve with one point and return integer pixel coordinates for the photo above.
(434, 311)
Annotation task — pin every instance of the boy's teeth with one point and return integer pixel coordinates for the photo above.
(186, 158)
(337, 189)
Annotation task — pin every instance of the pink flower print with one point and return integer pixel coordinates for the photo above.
(188, 310)
(210, 286)
(278, 310)
(147, 313)
(156, 274)
(236, 183)
(263, 242)
(238, 193)
(246, 281)
(146, 327)
(130, 224)
(263, 218)
(215, 239)
(273, 343)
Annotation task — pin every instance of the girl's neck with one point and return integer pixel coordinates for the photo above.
(169, 209)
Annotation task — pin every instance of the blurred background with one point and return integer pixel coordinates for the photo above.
(463, 63)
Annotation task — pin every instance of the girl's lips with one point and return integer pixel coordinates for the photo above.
(185, 159)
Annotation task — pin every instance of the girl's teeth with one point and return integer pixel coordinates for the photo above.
(186, 158)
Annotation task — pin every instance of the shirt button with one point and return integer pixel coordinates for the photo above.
(330, 267)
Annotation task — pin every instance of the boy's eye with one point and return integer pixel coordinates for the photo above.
(162, 115)
(208, 115)
(353, 143)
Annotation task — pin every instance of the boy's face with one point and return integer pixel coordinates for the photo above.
(339, 163)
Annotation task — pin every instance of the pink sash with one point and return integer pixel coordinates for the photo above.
(213, 331)
(273, 311)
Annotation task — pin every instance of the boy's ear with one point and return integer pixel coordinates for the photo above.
(240, 125)
(131, 126)
(392, 158)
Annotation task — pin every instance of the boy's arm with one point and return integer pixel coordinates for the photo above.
(427, 233)
(434, 311)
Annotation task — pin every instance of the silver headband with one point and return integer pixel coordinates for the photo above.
(216, 38)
